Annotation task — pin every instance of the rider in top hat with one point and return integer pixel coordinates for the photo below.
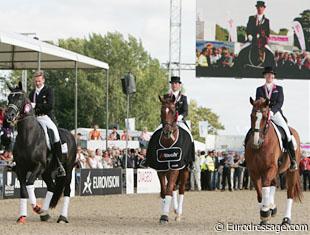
(180, 99)
(42, 99)
(275, 94)
(258, 25)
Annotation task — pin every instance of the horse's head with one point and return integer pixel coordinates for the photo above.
(168, 115)
(259, 120)
(18, 104)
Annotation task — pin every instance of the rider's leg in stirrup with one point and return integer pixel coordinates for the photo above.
(58, 154)
(279, 120)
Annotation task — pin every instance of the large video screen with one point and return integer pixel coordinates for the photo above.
(238, 38)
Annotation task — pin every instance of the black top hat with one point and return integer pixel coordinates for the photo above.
(175, 79)
(260, 4)
(268, 70)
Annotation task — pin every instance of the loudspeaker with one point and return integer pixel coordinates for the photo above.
(128, 84)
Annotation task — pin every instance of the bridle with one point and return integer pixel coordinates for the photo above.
(168, 132)
(260, 133)
(19, 115)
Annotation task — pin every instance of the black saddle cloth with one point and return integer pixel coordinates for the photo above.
(176, 157)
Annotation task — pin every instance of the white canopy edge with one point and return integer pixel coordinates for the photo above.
(22, 52)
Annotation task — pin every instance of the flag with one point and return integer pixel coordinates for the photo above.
(300, 34)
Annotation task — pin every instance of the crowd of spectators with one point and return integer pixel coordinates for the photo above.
(227, 171)
(296, 65)
(6, 134)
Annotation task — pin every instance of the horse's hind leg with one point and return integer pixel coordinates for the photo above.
(30, 188)
(63, 218)
(293, 190)
(183, 176)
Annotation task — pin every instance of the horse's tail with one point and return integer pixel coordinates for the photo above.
(297, 194)
(59, 188)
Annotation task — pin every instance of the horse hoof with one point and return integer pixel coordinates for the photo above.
(263, 222)
(286, 221)
(37, 209)
(265, 215)
(273, 212)
(21, 220)
(45, 217)
(164, 219)
(178, 218)
(62, 219)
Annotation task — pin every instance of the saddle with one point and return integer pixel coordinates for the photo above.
(50, 139)
(283, 138)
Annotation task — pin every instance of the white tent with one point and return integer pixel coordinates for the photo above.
(22, 52)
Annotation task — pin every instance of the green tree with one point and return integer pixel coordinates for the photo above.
(283, 31)
(221, 34)
(241, 32)
(197, 114)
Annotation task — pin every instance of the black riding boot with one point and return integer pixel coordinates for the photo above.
(291, 153)
(58, 154)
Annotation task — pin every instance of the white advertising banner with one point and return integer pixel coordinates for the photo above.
(129, 181)
(147, 181)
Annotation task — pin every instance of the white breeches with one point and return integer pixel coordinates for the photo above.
(278, 119)
(46, 121)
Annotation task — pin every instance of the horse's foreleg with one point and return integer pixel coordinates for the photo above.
(63, 218)
(48, 197)
(23, 197)
(30, 188)
(273, 206)
(173, 175)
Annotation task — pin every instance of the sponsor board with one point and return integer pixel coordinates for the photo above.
(100, 181)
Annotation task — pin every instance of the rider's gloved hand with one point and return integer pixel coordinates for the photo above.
(33, 105)
(180, 118)
(250, 37)
(271, 113)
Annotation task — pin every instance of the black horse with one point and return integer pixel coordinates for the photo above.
(252, 59)
(33, 158)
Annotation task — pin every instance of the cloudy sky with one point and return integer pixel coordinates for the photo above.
(149, 21)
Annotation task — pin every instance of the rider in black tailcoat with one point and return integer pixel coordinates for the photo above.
(258, 25)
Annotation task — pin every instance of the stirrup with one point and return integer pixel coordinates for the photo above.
(293, 166)
(61, 172)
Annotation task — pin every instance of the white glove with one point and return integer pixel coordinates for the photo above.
(33, 105)
(271, 113)
(258, 35)
(180, 118)
(250, 37)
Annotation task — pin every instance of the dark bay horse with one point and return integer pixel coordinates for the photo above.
(170, 151)
(262, 154)
(34, 159)
(252, 59)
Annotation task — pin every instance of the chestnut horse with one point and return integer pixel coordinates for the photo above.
(262, 152)
(170, 139)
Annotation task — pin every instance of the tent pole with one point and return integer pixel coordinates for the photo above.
(107, 109)
(75, 101)
(39, 61)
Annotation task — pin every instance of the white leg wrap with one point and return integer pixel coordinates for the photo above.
(288, 209)
(31, 195)
(180, 207)
(271, 196)
(65, 207)
(167, 205)
(47, 200)
(23, 207)
(259, 205)
(265, 198)
(162, 204)
(175, 199)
